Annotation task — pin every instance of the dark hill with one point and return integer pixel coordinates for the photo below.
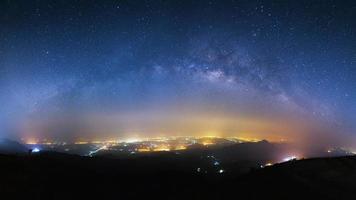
(60, 176)
(11, 147)
(319, 178)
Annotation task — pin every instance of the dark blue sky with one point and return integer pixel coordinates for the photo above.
(117, 68)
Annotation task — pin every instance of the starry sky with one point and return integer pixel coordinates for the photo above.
(115, 69)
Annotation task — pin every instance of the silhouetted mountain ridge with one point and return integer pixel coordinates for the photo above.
(8, 146)
(56, 176)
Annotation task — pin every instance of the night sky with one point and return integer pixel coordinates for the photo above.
(118, 69)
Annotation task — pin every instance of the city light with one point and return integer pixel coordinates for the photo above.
(289, 158)
(36, 150)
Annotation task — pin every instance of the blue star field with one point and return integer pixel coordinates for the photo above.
(269, 69)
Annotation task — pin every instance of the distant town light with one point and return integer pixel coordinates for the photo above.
(132, 140)
(221, 171)
(36, 150)
(289, 158)
(31, 142)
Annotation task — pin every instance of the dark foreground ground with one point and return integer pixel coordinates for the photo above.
(59, 176)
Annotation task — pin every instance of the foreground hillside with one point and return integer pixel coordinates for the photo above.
(320, 178)
(61, 176)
